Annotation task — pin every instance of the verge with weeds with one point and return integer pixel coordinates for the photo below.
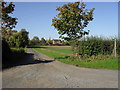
(108, 63)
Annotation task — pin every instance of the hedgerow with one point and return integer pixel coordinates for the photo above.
(94, 46)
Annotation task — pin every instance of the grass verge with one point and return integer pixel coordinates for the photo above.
(102, 64)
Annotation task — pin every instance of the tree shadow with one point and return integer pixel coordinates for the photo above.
(28, 59)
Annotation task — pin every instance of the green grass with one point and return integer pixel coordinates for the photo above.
(67, 51)
(102, 64)
(50, 54)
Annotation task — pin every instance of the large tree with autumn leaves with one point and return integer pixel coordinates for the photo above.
(71, 21)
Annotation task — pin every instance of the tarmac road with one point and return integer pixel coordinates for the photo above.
(40, 71)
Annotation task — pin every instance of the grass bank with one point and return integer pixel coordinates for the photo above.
(58, 55)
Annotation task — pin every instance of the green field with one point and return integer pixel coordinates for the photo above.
(60, 54)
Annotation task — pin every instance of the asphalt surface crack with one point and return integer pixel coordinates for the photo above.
(65, 77)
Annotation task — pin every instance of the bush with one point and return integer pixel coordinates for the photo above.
(17, 54)
(95, 46)
(99, 57)
(18, 39)
(6, 52)
(18, 50)
(10, 57)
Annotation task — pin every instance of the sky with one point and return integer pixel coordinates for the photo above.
(36, 18)
(60, 0)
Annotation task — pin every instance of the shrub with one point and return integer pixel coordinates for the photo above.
(6, 52)
(10, 56)
(18, 39)
(17, 54)
(99, 57)
(95, 46)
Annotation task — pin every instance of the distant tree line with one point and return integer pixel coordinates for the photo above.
(35, 41)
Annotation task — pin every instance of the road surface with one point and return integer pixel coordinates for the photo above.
(40, 71)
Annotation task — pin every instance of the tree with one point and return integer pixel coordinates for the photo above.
(11, 41)
(19, 39)
(67, 43)
(35, 40)
(43, 41)
(49, 42)
(7, 22)
(72, 20)
(22, 38)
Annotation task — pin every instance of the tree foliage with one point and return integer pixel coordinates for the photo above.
(72, 20)
(43, 41)
(7, 21)
(49, 42)
(35, 40)
(19, 39)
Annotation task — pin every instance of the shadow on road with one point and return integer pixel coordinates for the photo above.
(28, 59)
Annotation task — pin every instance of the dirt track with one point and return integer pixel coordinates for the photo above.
(40, 71)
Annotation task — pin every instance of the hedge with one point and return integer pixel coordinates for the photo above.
(96, 46)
